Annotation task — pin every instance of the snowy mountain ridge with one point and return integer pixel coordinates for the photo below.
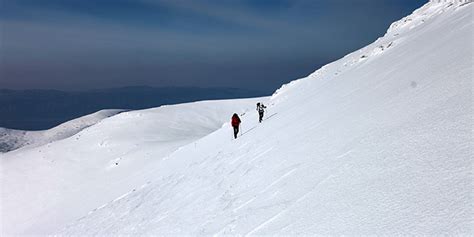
(12, 139)
(378, 142)
(430, 10)
(41, 186)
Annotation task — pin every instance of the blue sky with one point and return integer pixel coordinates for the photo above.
(84, 44)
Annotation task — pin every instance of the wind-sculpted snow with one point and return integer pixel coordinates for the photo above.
(43, 188)
(378, 142)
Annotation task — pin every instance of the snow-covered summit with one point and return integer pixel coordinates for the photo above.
(458, 2)
(429, 10)
(378, 142)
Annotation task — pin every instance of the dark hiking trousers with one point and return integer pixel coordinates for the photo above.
(260, 116)
(236, 131)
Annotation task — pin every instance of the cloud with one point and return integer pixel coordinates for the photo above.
(237, 13)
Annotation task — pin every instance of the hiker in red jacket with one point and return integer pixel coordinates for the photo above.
(235, 124)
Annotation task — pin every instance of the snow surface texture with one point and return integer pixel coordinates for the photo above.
(12, 139)
(378, 142)
(45, 187)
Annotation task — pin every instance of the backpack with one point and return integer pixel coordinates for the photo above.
(235, 121)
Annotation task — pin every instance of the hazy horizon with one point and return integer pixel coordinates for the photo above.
(75, 44)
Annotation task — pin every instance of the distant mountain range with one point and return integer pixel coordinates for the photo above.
(44, 109)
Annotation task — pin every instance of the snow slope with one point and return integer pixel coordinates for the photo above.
(12, 139)
(378, 142)
(43, 188)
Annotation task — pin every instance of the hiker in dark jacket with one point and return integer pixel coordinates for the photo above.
(235, 124)
(261, 109)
